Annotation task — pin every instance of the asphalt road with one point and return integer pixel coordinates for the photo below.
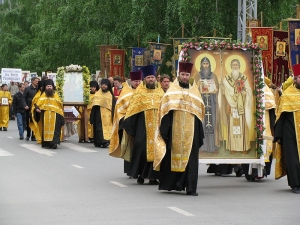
(80, 184)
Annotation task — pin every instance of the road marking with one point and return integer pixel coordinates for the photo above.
(117, 183)
(9, 137)
(76, 147)
(79, 167)
(5, 153)
(38, 149)
(181, 211)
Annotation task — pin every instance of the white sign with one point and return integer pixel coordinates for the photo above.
(9, 74)
(52, 76)
(4, 101)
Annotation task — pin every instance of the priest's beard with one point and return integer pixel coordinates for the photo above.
(104, 90)
(206, 72)
(49, 92)
(150, 86)
(235, 74)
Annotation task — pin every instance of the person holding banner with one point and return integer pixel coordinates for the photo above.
(5, 102)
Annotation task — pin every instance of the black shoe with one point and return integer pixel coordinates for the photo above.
(4, 128)
(33, 139)
(54, 146)
(153, 182)
(239, 173)
(91, 140)
(27, 138)
(296, 190)
(21, 138)
(0, 128)
(140, 180)
(106, 145)
(192, 193)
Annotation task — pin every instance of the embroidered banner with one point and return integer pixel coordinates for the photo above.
(137, 60)
(117, 62)
(105, 60)
(264, 37)
(157, 54)
(294, 36)
(281, 57)
(177, 45)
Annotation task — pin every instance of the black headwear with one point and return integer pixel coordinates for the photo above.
(94, 83)
(48, 82)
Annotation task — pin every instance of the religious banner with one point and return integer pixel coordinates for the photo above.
(10, 74)
(280, 57)
(157, 54)
(264, 37)
(294, 37)
(117, 62)
(177, 46)
(137, 58)
(228, 79)
(105, 60)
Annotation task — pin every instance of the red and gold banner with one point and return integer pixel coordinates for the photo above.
(105, 60)
(281, 57)
(117, 62)
(264, 37)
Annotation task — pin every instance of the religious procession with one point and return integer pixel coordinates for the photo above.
(165, 107)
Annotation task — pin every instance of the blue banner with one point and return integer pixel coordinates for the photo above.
(294, 34)
(137, 58)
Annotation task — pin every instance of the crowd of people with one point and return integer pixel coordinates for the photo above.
(157, 126)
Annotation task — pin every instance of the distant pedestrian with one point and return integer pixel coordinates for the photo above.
(19, 110)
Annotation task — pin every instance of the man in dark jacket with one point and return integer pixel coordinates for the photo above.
(19, 110)
(29, 93)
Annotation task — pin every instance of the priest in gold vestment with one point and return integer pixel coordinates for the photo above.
(102, 113)
(287, 134)
(140, 123)
(94, 86)
(49, 109)
(180, 134)
(122, 104)
(5, 103)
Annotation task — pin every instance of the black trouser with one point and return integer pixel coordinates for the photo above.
(29, 133)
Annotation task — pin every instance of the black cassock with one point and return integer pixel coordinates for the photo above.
(95, 119)
(188, 179)
(267, 167)
(135, 126)
(59, 122)
(285, 131)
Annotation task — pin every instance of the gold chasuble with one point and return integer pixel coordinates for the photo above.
(34, 125)
(288, 102)
(147, 101)
(4, 109)
(50, 106)
(120, 111)
(104, 100)
(186, 104)
(89, 109)
(269, 104)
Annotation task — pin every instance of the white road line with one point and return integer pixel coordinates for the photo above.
(5, 153)
(117, 183)
(9, 137)
(181, 211)
(79, 167)
(76, 147)
(38, 149)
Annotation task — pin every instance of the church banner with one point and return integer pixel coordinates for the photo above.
(105, 60)
(281, 57)
(264, 37)
(229, 76)
(11, 74)
(294, 37)
(137, 60)
(177, 46)
(117, 62)
(157, 54)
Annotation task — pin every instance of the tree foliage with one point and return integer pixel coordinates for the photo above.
(39, 35)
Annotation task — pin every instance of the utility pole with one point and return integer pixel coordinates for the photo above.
(247, 10)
